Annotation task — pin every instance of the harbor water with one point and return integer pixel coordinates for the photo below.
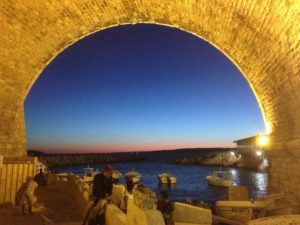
(191, 182)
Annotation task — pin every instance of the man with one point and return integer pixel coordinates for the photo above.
(102, 190)
(166, 207)
(40, 178)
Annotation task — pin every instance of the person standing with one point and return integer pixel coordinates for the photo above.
(166, 207)
(127, 195)
(102, 193)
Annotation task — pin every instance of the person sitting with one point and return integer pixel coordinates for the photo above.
(40, 178)
(102, 193)
(166, 207)
(29, 199)
(128, 195)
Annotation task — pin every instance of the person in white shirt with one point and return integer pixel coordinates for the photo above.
(127, 195)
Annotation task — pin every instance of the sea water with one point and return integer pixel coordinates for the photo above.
(191, 182)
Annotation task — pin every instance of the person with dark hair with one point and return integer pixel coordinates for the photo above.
(166, 207)
(102, 191)
(41, 178)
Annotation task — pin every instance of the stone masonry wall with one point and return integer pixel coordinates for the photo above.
(260, 36)
(12, 132)
(284, 168)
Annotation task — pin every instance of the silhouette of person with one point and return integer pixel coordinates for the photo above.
(166, 207)
(102, 191)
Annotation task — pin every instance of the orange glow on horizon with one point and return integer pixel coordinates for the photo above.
(138, 147)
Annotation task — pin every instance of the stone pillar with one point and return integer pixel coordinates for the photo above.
(284, 168)
(12, 131)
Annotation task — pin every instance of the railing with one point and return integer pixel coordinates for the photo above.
(72, 185)
(14, 173)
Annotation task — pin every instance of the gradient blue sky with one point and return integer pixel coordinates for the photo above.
(141, 87)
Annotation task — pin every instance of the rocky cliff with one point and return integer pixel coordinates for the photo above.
(224, 158)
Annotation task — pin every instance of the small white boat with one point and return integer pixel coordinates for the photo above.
(116, 175)
(219, 178)
(89, 174)
(166, 178)
(133, 176)
(163, 178)
(172, 179)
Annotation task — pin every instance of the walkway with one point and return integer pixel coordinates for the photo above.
(56, 208)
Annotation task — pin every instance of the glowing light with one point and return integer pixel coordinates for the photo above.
(266, 162)
(258, 153)
(232, 153)
(268, 128)
(262, 140)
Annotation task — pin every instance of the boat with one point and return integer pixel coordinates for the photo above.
(166, 178)
(219, 178)
(89, 174)
(163, 178)
(133, 176)
(116, 175)
(172, 179)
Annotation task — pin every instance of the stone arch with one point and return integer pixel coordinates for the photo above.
(260, 37)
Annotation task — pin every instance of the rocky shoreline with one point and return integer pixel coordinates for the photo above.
(224, 159)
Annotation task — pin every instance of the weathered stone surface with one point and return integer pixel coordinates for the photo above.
(260, 37)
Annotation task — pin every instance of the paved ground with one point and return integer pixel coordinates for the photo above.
(10, 215)
(56, 208)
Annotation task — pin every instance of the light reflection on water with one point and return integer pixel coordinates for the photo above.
(257, 181)
(191, 182)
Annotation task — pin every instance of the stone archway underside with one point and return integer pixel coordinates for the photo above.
(261, 37)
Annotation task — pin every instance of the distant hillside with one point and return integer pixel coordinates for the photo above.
(35, 153)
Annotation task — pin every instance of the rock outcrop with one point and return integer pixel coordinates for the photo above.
(226, 159)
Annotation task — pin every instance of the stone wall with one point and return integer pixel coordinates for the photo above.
(12, 130)
(284, 168)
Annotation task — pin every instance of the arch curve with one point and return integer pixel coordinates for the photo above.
(260, 37)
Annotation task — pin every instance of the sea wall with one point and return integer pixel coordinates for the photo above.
(84, 159)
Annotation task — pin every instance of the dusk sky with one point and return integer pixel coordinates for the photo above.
(136, 88)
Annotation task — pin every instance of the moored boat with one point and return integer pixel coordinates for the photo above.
(133, 176)
(116, 175)
(163, 178)
(219, 178)
(166, 178)
(89, 174)
(172, 179)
